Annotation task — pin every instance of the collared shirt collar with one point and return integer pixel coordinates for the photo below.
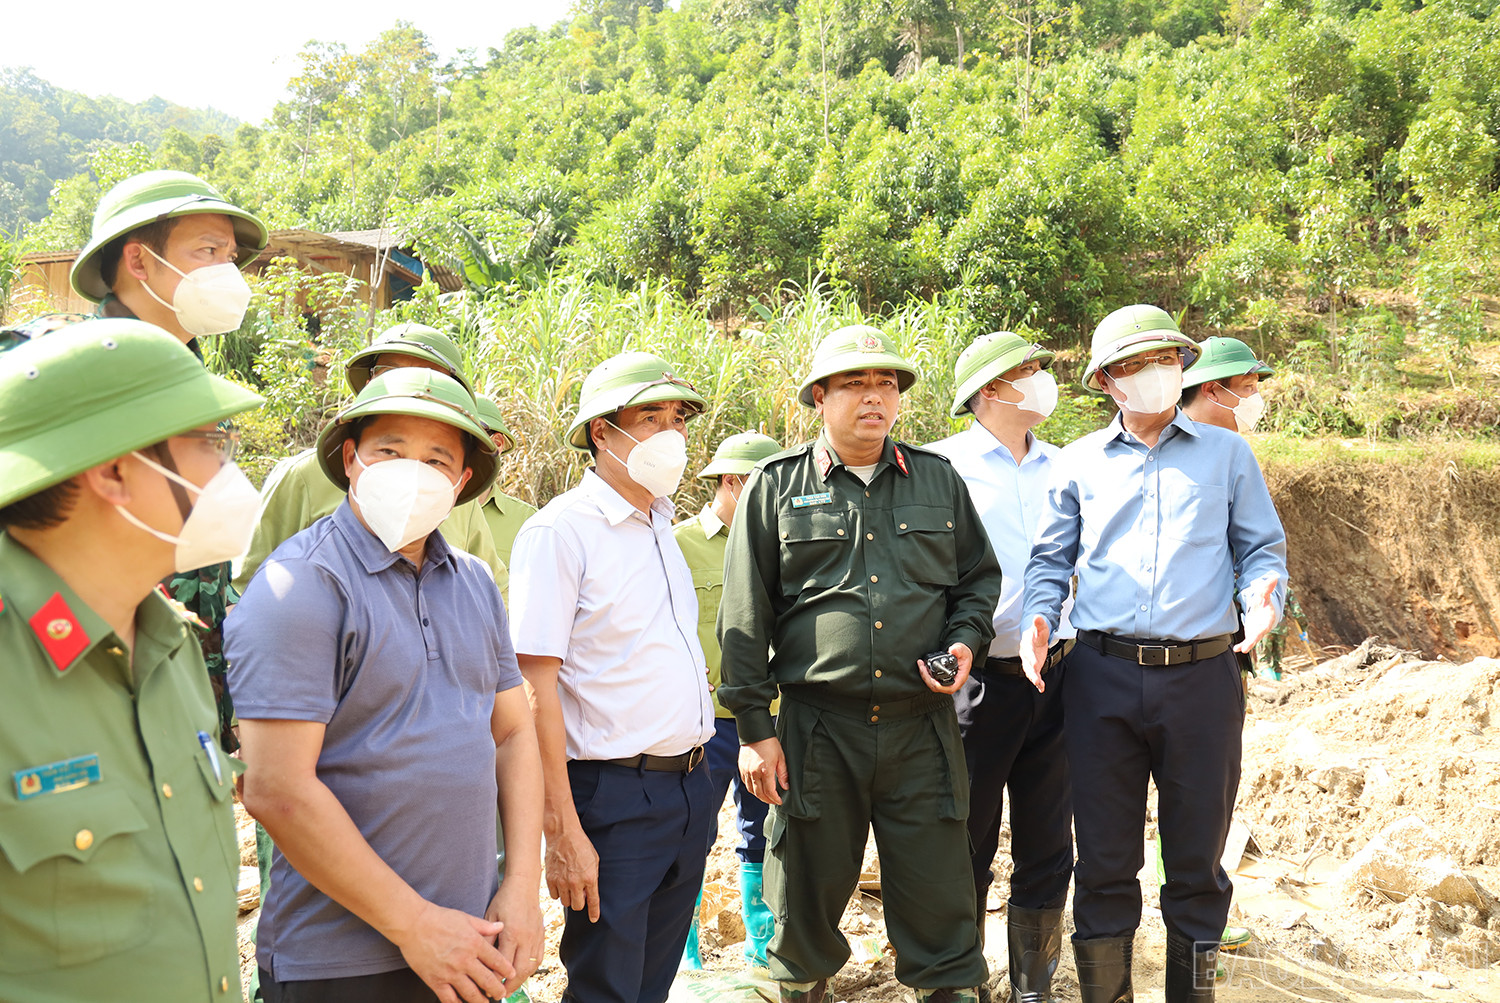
(65, 627)
(613, 504)
(984, 443)
(711, 523)
(1180, 420)
(826, 458)
(372, 553)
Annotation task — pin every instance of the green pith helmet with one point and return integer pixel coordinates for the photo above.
(858, 346)
(988, 356)
(421, 393)
(416, 340)
(148, 198)
(1132, 330)
(739, 453)
(99, 390)
(1223, 359)
(491, 418)
(626, 380)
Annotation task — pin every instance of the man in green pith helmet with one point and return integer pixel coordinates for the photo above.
(852, 560)
(384, 723)
(1222, 387)
(296, 494)
(503, 514)
(703, 539)
(167, 247)
(118, 857)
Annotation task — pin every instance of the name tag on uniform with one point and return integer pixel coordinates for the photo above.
(54, 778)
(821, 498)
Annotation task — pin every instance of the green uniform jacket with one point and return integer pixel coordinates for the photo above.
(118, 872)
(505, 516)
(297, 494)
(836, 588)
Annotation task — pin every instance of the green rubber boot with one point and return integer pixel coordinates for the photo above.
(759, 923)
(692, 961)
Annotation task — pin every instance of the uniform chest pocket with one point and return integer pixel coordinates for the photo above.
(924, 539)
(77, 883)
(709, 587)
(1197, 514)
(816, 550)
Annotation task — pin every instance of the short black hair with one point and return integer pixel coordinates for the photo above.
(46, 509)
(154, 235)
(1190, 394)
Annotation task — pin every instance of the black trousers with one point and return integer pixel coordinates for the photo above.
(1013, 741)
(400, 986)
(1181, 726)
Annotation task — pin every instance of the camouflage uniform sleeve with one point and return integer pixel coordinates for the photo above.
(207, 594)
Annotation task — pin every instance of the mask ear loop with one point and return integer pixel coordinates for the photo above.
(179, 493)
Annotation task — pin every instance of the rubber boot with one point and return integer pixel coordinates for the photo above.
(1190, 974)
(948, 995)
(1035, 941)
(692, 961)
(759, 923)
(803, 992)
(1104, 969)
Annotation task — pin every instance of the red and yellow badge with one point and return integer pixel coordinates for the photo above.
(824, 461)
(62, 636)
(901, 460)
(31, 785)
(869, 342)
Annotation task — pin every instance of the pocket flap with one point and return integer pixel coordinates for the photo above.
(70, 824)
(922, 519)
(805, 527)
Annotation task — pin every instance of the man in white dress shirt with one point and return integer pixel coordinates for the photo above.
(605, 624)
(1013, 731)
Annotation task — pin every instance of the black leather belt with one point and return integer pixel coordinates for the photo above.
(1012, 666)
(662, 764)
(1160, 652)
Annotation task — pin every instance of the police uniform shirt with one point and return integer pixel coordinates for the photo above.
(118, 856)
(1009, 497)
(847, 584)
(505, 516)
(297, 494)
(1158, 536)
(604, 587)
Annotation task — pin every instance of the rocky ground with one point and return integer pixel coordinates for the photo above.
(1369, 813)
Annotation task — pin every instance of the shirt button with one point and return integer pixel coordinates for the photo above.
(876, 707)
(166, 790)
(874, 578)
(1143, 609)
(874, 718)
(903, 525)
(224, 984)
(197, 884)
(84, 839)
(841, 532)
(878, 625)
(950, 525)
(424, 621)
(877, 673)
(869, 536)
(785, 534)
(116, 650)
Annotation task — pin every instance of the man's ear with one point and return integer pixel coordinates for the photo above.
(463, 479)
(348, 457)
(133, 260)
(107, 480)
(818, 393)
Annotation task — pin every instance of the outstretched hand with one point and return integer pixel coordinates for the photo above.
(1260, 618)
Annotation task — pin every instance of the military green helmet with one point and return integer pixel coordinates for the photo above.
(1132, 330)
(421, 393)
(1222, 359)
(98, 390)
(148, 198)
(856, 347)
(415, 340)
(739, 453)
(988, 356)
(626, 380)
(494, 422)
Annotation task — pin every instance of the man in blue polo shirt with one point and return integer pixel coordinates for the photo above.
(380, 702)
(1161, 519)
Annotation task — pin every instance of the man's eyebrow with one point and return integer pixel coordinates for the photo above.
(389, 437)
(442, 451)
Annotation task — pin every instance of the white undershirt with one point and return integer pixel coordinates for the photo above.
(863, 473)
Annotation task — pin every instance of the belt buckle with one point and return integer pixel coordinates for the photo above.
(1162, 653)
(695, 756)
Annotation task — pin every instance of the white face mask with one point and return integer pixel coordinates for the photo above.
(402, 500)
(657, 462)
(1038, 392)
(208, 300)
(1247, 412)
(1152, 390)
(219, 526)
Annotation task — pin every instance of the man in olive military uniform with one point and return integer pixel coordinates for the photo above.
(850, 559)
(703, 539)
(503, 514)
(296, 494)
(167, 247)
(118, 857)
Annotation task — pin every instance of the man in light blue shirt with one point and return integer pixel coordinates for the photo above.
(1013, 732)
(1160, 518)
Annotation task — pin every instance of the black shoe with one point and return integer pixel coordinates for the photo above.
(1035, 941)
(1104, 969)
(1190, 973)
